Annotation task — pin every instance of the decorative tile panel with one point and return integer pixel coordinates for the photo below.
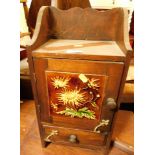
(76, 95)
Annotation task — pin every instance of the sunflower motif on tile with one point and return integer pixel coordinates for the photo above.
(60, 82)
(72, 98)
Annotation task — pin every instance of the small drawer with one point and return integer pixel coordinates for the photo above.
(73, 136)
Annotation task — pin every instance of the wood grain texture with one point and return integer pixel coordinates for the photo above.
(80, 49)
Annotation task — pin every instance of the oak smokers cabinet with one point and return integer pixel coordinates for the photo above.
(78, 61)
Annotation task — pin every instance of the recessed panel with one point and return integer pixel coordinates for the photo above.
(75, 95)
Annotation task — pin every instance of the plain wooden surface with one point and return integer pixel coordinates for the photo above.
(80, 49)
(30, 141)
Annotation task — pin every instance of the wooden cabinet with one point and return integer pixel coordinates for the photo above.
(77, 81)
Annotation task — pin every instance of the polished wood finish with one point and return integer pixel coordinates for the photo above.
(30, 140)
(110, 29)
(81, 49)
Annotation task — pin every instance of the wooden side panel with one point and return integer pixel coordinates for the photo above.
(75, 23)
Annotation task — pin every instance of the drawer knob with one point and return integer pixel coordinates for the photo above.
(73, 139)
(111, 103)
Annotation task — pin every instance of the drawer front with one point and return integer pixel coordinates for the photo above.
(74, 137)
(73, 93)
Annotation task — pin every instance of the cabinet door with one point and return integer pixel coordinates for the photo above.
(73, 93)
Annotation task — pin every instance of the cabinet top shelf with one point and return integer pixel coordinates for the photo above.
(80, 49)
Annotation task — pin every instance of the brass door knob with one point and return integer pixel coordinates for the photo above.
(111, 103)
(73, 139)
